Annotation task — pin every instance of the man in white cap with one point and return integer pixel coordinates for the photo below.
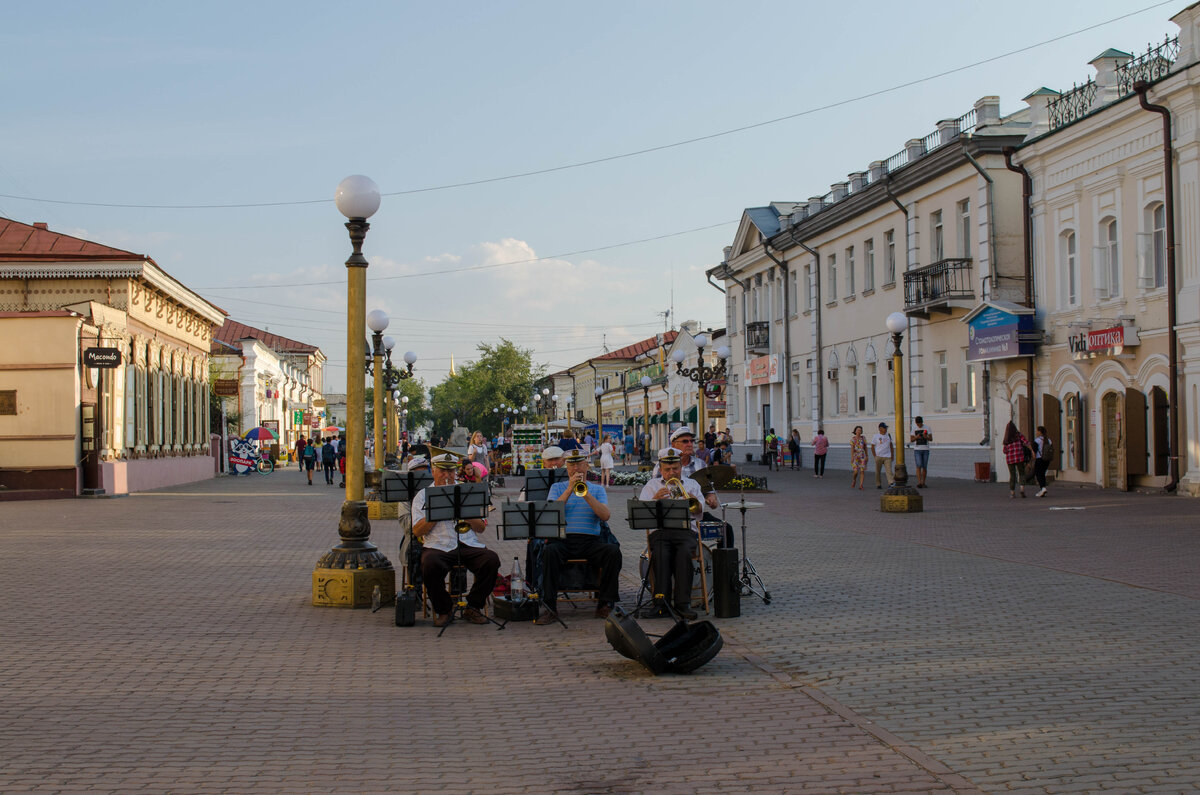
(582, 540)
(683, 440)
(446, 548)
(409, 552)
(671, 551)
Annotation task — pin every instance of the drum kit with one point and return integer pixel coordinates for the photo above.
(751, 582)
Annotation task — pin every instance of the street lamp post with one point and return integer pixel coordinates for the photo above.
(599, 417)
(545, 404)
(900, 497)
(646, 382)
(702, 375)
(377, 321)
(404, 415)
(346, 575)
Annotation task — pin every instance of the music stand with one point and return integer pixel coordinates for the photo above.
(656, 515)
(539, 481)
(536, 519)
(456, 503)
(402, 487)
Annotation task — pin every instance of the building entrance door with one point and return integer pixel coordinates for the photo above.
(1114, 441)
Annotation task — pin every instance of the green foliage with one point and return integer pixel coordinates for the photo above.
(418, 408)
(502, 373)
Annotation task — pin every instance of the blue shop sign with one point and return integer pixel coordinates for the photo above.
(1000, 330)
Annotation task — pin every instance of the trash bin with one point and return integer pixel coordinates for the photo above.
(983, 471)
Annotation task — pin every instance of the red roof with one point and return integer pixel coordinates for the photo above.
(638, 348)
(24, 242)
(232, 331)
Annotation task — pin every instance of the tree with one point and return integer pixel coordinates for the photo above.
(503, 373)
(418, 410)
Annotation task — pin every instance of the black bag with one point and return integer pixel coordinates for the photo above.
(1028, 454)
(1047, 449)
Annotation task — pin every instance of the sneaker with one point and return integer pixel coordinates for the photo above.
(602, 611)
(1041, 493)
(441, 620)
(548, 616)
(474, 616)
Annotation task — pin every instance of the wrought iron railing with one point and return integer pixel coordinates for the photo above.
(1154, 64)
(944, 280)
(758, 335)
(1072, 105)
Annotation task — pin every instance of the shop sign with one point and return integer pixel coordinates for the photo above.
(297, 418)
(764, 370)
(999, 332)
(225, 387)
(272, 425)
(102, 357)
(1105, 341)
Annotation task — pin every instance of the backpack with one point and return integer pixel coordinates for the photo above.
(1047, 449)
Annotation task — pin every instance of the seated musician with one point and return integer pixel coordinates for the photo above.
(445, 548)
(552, 458)
(683, 440)
(584, 515)
(671, 551)
(410, 548)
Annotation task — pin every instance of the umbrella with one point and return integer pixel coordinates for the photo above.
(261, 433)
(332, 429)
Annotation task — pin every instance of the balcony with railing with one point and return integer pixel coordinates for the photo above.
(758, 337)
(944, 286)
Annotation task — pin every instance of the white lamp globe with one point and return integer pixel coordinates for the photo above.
(897, 322)
(495, 411)
(701, 340)
(646, 381)
(723, 352)
(599, 391)
(410, 357)
(678, 356)
(546, 391)
(357, 197)
(554, 398)
(377, 320)
(389, 343)
(502, 406)
(404, 399)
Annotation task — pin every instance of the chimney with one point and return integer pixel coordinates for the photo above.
(987, 111)
(858, 181)
(914, 148)
(40, 225)
(728, 251)
(838, 191)
(785, 222)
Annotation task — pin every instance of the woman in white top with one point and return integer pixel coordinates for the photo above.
(477, 449)
(606, 459)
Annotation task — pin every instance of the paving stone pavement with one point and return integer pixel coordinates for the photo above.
(164, 642)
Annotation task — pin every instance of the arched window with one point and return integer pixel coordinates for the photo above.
(1069, 257)
(1106, 261)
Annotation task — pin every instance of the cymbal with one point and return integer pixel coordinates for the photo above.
(742, 505)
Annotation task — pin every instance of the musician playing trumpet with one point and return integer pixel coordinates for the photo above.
(585, 506)
(671, 551)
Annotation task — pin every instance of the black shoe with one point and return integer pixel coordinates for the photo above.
(686, 612)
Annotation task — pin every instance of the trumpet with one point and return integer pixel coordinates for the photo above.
(462, 526)
(580, 489)
(678, 492)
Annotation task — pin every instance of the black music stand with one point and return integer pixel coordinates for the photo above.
(539, 481)
(657, 515)
(536, 519)
(402, 487)
(456, 503)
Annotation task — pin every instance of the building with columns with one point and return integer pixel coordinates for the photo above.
(103, 369)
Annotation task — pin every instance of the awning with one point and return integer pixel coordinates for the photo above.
(654, 419)
(675, 416)
(629, 421)
(692, 416)
(663, 419)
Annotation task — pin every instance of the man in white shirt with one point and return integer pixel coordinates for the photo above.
(444, 548)
(671, 551)
(921, 437)
(883, 450)
(683, 440)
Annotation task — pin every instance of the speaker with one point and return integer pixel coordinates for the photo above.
(727, 588)
(406, 608)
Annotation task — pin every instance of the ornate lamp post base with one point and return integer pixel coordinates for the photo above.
(346, 575)
(901, 497)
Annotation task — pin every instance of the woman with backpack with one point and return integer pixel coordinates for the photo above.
(1045, 454)
(1016, 455)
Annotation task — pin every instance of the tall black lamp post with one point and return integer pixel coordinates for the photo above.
(702, 375)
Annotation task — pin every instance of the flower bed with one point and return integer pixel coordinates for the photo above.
(746, 483)
(630, 478)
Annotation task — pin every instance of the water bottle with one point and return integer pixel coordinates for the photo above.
(376, 598)
(516, 591)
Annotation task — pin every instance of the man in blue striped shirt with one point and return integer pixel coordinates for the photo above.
(583, 516)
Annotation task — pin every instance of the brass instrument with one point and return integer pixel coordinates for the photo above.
(462, 526)
(678, 492)
(580, 488)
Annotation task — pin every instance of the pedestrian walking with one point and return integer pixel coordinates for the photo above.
(301, 443)
(794, 448)
(921, 436)
(1045, 454)
(858, 457)
(310, 459)
(772, 442)
(628, 449)
(1016, 454)
(883, 449)
(606, 460)
(328, 460)
(820, 446)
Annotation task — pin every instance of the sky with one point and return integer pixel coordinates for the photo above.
(225, 128)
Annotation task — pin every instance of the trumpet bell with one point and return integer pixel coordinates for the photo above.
(580, 489)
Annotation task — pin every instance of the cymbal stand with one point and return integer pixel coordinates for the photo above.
(750, 577)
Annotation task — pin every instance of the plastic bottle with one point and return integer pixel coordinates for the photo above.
(376, 598)
(516, 583)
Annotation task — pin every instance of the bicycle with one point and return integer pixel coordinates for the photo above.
(266, 465)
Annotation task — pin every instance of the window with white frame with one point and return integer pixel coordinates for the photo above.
(795, 292)
(808, 288)
(937, 237)
(889, 257)
(943, 381)
(873, 392)
(972, 393)
(869, 264)
(832, 275)
(1152, 249)
(778, 288)
(850, 271)
(1069, 256)
(1106, 262)
(964, 228)
(853, 389)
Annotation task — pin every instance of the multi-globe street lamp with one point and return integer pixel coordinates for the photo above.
(599, 390)
(387, 378)
(702, 375)
(346, 575)
(900, 497)
(646, 382)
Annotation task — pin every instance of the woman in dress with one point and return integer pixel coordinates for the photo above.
(858, 457)
(477, 450)
(606, 459)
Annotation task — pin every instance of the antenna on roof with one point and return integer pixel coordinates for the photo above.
(604, 341)
(666, 316)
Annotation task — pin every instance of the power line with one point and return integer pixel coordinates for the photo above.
(622, 155)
